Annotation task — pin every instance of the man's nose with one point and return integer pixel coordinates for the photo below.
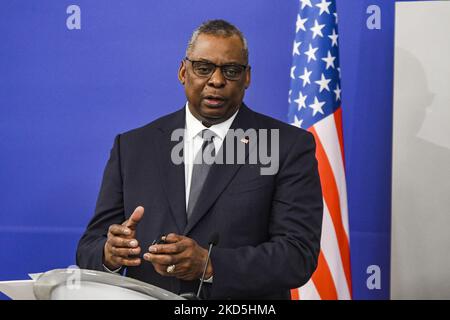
(217, 79)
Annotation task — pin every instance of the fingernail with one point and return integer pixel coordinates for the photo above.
(152, 249)
(127, 231)
(146, 256)
(133, 243)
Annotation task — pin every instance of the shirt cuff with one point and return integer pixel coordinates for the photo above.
(209, 280)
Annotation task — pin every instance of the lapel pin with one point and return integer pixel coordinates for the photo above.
(244, 140)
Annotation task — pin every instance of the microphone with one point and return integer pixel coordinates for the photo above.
(213, 240)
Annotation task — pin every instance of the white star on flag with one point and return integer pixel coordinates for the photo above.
(297, 123)
(311, 53)
(300, 24)
(305, 77)
(301, 101)
(329, 60)
(317, 106)
(292, 72)
(337, 92)
(296, 50)
(333, 38)
(323, 83)
(306, 3)
(323, 5)
(317, 29)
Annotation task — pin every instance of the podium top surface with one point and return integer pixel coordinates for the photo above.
(82, 284)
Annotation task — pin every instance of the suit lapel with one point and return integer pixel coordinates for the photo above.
(172, 175)
(220, 175)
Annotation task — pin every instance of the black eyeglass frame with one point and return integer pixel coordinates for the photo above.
(243, 66)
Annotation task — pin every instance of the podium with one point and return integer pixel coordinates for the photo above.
(82, 284)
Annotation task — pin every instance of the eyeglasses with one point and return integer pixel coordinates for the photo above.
(204, 69)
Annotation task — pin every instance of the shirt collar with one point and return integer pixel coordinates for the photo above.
(194, 126)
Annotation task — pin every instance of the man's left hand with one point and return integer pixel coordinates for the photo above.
(182, 252)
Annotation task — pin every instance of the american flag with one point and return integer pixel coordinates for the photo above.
(315, 105)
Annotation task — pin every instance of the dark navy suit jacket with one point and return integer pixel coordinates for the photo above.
(269, 225)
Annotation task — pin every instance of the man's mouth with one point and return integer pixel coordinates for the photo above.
(214, 100)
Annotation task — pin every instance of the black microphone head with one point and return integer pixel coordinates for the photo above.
(214, 238)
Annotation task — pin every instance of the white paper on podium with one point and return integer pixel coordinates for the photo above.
(34, 276)
(18, 289)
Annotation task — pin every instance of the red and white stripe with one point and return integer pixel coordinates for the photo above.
(332, 278)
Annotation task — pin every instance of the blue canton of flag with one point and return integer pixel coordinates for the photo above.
(315, 74)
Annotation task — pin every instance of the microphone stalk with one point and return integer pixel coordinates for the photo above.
(213, 240)
(202, 279)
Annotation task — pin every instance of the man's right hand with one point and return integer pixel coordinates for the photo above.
(121, 243)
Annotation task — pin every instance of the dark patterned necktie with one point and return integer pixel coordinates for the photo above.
(202, 163)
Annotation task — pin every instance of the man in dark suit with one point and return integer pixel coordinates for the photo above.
(269, 224)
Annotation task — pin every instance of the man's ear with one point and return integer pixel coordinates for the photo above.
(182, 72)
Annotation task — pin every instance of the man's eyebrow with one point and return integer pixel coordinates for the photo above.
(202, 60)
(224, 64)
